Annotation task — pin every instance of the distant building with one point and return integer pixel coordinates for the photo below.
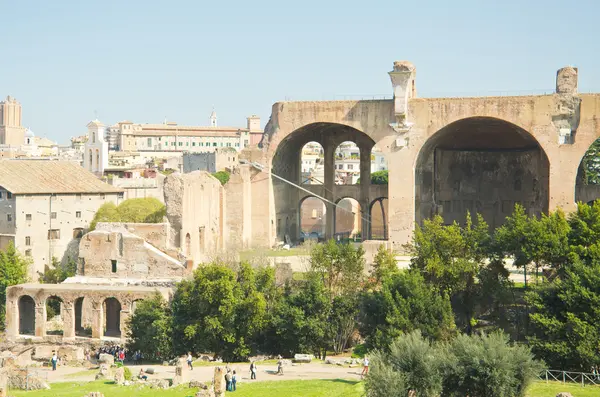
(171, 137)
(219, 160)
(46, 206)
(95, 156)
(12, 131)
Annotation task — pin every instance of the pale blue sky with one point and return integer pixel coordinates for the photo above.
(144, 60)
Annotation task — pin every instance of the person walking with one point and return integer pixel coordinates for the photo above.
(54, 360)
(189, 361)
(233, 381)
(253, 370)
(365, 370)
(228, 379)
(280, 367)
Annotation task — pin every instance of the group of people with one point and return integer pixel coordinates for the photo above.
(596, 372)
(117, 351)
(230, 379)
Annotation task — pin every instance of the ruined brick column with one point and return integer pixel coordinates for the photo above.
(68, 316)
(40, 319)
(125, 315)
(365, 189)
(12, 318)
(329, 185)
(97, 320)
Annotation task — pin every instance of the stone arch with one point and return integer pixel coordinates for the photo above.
(312, 218)
(112, 317)
(472, 165)
(348, 219)
(286, 164)
(134, 304)
(188, 245)
(54, 321)
(83, 313)
(26, 315)
(312, 167)
(379, 219)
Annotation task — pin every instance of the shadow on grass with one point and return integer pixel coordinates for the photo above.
(346, 381)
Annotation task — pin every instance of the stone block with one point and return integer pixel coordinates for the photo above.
(219, 381)
(43, 352)
(107, 359)
(24, 379)
(71, 353)
(564, 394)
(160, 383)
(198, 384)
(104, 372)
(151, 371)
(3, 383)
(303, 358)
(205, 393)
(95, 394)
(120, 376)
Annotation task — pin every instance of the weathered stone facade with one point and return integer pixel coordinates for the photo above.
(444, 155)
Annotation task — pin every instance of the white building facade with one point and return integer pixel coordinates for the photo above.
(95, 157)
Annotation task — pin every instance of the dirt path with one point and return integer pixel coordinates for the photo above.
(205, 373)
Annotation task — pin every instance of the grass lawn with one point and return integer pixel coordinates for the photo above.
(294, 388)
(551, 389)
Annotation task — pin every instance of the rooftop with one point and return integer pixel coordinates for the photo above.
(49, 176)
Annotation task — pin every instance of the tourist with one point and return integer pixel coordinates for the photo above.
(253, 370)
(228, 379)
(280, 367)
(189, 361)
(122, 356)
(233, 380)
(365, 370)
(142, 375)
(54, 360)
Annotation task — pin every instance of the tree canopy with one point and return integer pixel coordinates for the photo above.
(13, 270)
(222, 176)
(137, 210)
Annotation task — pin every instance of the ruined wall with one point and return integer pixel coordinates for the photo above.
(196, 211)
(156, 234)
(489, 183)
(121, 254)
(239, 208)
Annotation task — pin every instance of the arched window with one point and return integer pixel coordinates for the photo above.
(97, 160)
(93, 137)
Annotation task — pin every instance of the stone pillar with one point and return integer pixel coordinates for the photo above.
(219, 381)
(328, 188)
(3, 383)
(40, 319)
(97, 320)
(125, 315)
(68, 317)
(403, 83)
(365, 189)
(12, 318)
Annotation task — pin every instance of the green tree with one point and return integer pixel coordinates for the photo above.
(138, 210)
(411, 363)
(300, 320)
(404, 303)
(340, 267)
(377, 178)
(13, 271)
(584, 230)
(150, 329)
(590, 165)
(451, 258)
(222, 176)
(219, 311)
(106, 213)
(487, 366)
(58, 272)
(565, 331)
(384, 264)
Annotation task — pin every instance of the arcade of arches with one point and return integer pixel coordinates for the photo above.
(85, 311)
(301, 214)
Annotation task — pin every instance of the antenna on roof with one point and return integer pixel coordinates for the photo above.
(95, 115)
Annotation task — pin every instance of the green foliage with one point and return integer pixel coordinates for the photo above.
(584, 230)
(359, 350)
(127, 373)
(405, 303)
(150, 328)
(379, 177)
(411, 364)
(138, 210)
(300, 320)
(58, 272)
(13, 270)
(384, 264)
(222, 176)
(590, 164)
(565, 331)
(451, 258)
(218, 311)
(487, 366)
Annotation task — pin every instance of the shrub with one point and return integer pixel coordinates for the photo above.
(412, 364)
(222, 176)
(487, 366)
(127, 373)
(359, 351)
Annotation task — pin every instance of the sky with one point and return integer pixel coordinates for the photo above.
(69, 62)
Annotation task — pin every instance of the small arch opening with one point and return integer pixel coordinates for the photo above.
(312, 219)
(54, 318)
(348, 220)
(26, 315)
(112, 317)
